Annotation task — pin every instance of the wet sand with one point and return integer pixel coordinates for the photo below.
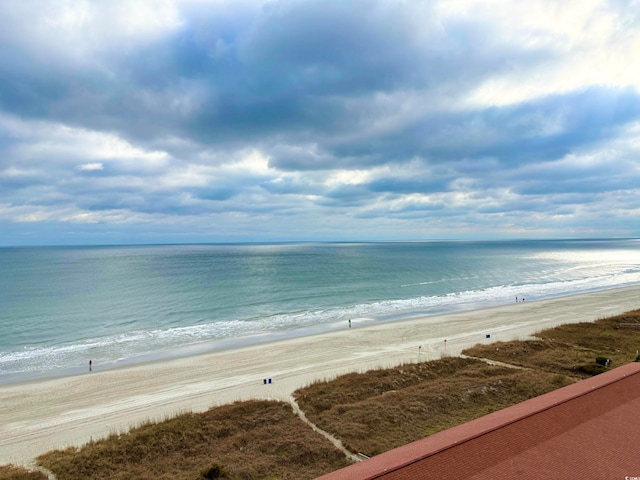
(39, 416)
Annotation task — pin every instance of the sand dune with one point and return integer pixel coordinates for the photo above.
(39, 416)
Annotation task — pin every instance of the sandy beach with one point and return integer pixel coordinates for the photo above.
(39, 416)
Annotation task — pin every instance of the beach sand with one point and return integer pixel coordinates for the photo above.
(39, 416)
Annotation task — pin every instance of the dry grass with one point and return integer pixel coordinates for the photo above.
(383, 409)
(12, 472)
(251, 440)
(570, 349)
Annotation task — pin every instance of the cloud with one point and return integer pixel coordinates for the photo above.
(90, 167)
(308, 119)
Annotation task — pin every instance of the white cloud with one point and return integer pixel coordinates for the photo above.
(61, 144)
(348, 177)
(250, 163)
(90, 167)
(586, 44)
(78, 29)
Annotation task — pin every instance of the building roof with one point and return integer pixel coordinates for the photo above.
(587, 430)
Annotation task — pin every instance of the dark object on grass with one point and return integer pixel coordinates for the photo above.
(590, 369)
(604, 361)
(213, 472)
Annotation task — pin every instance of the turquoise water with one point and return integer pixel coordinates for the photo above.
(61, 306)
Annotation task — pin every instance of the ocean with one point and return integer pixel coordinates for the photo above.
(119, 305)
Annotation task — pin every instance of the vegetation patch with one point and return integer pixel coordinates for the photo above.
(245, 440)
(12, 472)
(576, 349)
(382, 409)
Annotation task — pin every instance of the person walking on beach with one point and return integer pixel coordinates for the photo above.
(90, 365)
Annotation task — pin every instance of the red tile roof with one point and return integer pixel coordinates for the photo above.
(588, 430)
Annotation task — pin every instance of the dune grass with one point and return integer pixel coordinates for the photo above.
(379, 410)
(249, 440)
(13, 472)
(570, 349)
(370, 412)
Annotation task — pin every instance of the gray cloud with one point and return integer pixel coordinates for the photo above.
(365, 114)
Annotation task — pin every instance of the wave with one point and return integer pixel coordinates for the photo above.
(137, 345)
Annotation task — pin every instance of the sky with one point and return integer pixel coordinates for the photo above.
(177, 121)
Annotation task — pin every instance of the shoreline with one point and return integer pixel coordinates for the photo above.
(44, 414)
(231, 343)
